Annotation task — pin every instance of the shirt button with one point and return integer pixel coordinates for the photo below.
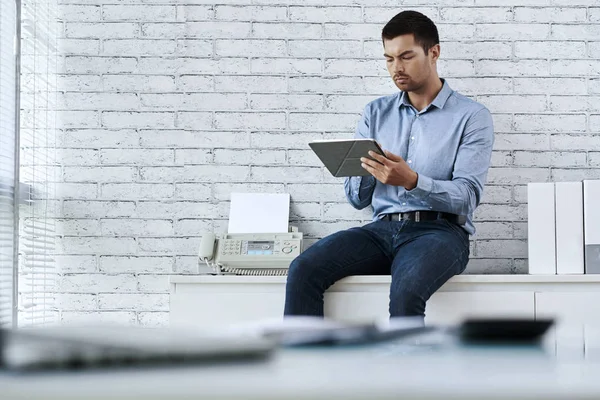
(403, 204)
(412, 138)
(410, 161)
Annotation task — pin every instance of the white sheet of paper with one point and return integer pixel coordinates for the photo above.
(259, 213)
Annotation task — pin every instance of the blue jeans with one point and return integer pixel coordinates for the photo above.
(420, 256)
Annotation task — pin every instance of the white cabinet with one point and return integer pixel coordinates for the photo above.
(216, 301)
(356, 306)
(579, 307)
(578, 315)
(213, 303)
(452, 307)
(443, 307)
(219, 309)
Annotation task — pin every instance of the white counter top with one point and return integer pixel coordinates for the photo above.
(385, 279)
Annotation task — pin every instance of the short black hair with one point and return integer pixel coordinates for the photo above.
(415, 23)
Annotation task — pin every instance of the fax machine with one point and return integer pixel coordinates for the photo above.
(250, 253)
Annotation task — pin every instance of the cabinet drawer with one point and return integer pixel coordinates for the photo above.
(214, 310)
(452, 307)
(572, 307)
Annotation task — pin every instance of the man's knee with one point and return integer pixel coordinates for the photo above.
(303, 271)
(311, 263)
(297, 270)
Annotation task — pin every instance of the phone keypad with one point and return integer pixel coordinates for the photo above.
(231, 247)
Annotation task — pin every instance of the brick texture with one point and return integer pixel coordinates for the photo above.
(168, 107)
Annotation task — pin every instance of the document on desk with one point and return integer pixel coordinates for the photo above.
(259, 213)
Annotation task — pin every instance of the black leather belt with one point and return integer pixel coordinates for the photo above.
(424, 216)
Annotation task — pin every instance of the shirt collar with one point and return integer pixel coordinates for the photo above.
(439, 101)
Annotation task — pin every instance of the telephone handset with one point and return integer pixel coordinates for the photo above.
(250, 253)
(207, 247)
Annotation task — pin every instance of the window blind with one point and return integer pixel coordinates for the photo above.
(37, 274)
(8, 147)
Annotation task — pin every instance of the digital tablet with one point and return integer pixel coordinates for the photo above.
(342, 156)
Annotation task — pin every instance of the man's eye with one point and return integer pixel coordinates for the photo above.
(407, 58)
(389, 60)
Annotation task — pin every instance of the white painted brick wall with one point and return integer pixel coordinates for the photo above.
(168, 107)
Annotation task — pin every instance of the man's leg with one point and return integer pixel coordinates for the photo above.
(356, 251)
(428, 254)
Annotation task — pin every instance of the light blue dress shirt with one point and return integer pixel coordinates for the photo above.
(448, 143)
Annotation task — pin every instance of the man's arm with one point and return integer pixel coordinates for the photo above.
(462, 194)
(359, 189)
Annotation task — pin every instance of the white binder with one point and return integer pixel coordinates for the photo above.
(541, 233)
(569, 228)
(591, 216)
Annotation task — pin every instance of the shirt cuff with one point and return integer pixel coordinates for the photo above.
(362, 182)
(423, 188)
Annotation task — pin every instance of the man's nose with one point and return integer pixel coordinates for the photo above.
(398, 67)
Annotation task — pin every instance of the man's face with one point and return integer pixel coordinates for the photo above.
(407, 63)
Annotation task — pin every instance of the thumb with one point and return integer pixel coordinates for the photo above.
(392, 156)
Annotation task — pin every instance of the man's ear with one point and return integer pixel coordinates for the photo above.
(434, 52)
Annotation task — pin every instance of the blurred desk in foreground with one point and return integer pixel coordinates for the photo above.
(566, 365)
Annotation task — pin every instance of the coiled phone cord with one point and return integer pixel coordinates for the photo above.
(218, 269)
(255, 272)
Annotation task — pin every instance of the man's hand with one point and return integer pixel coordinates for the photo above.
(392, 170)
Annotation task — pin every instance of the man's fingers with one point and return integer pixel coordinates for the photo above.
(368, 168)
(378, 157)
(373, 171)
(369, 162)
